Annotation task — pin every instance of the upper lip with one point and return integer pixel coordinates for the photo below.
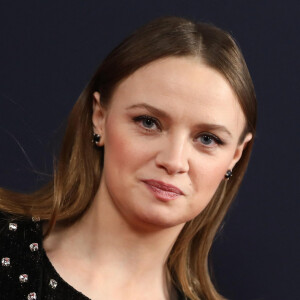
(164, 186)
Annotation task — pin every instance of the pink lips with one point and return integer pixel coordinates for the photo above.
(163, 191)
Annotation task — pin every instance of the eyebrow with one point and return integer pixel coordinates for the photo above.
(163, 114)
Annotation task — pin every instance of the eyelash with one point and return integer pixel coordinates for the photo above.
(217, 140)
(146, 118)
(142, 118)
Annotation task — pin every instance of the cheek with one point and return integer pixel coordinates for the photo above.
(123, 151)
(207, 178)
(116, 149)
(208, 174)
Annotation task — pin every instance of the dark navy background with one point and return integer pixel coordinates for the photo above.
(49, 50)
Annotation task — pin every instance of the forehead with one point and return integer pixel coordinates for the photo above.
(184, 87)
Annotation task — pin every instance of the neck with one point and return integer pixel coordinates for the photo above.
(137, 254)
(111, 236)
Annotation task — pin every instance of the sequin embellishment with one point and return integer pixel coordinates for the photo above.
(32, 296)
(5, 261)
(34, 247)
(53, 283)
(12, 226)
(36, 219)
(23, 278)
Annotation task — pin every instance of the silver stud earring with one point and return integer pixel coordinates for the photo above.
(228, 174)
(96, 138)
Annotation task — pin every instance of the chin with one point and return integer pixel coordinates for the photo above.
(162, 221)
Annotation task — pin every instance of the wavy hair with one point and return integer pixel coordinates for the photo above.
(77, 172)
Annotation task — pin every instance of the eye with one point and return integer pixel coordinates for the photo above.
(209, 140)
(147, 122)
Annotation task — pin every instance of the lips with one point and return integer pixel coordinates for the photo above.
(163, 191)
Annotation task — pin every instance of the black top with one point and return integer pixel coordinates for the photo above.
(25, 270)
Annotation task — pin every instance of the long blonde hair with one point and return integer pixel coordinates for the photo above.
(78, 169)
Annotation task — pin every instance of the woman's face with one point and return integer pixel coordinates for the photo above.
(170, 134)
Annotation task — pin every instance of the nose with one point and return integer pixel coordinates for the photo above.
(173, 155)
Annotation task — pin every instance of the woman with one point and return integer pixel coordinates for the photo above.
(132, 215)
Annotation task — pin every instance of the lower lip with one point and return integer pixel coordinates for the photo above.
(162, 194)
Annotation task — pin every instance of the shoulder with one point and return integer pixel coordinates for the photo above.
(20, 239)
(16, 230)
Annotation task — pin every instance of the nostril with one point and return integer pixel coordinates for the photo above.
(173, 154)
(171, 165)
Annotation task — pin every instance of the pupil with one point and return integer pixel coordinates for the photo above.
(148, 122)
(206, 139)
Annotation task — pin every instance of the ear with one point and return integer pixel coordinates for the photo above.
(239, 150)
(98, 117)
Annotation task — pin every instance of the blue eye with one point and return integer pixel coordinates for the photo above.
(206, 140)
(147, 122)
(210, 140)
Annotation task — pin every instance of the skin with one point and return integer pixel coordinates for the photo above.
(128, 232)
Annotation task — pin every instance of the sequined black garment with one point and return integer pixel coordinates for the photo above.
(25, 270)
